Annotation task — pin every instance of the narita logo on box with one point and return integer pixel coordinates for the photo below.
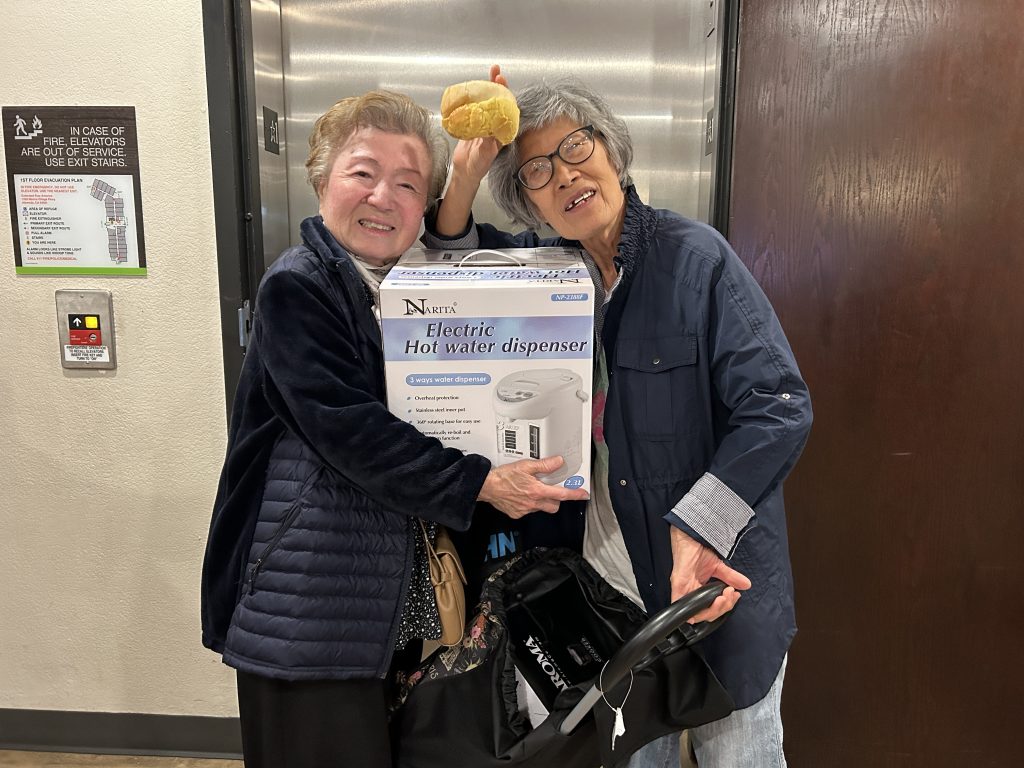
(420, 307)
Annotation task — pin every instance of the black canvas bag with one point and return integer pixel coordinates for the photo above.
(460, 706)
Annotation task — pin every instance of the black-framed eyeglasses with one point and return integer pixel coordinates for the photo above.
(574, 149)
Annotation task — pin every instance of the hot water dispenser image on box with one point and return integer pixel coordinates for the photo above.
(539, 413)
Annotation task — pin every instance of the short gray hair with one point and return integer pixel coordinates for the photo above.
(540, 105)
(386, 111)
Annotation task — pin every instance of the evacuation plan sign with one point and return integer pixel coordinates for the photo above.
(73, 179)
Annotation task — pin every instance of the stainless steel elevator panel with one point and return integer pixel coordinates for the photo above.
(268, 78)
(647, 57)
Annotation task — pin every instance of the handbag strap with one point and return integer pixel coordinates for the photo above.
(431, 552)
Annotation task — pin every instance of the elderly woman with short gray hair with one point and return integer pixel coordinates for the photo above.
(700, 411)
(315, 577)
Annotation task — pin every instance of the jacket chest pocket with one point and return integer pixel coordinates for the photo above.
(658, 386)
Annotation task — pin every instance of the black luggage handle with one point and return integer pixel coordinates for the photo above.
(661, 634)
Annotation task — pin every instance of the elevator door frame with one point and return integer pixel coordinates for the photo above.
(236, 195)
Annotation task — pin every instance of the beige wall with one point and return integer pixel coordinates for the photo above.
(107, 478)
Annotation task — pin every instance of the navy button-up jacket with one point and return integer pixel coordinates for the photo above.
(705, 416)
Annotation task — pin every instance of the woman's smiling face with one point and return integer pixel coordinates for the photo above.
(375, 194)
(581, 202)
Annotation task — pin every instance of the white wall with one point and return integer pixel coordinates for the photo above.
(107, 479)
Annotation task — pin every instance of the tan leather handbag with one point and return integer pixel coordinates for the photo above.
(449, 582)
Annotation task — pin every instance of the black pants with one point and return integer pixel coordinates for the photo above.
(313, 724)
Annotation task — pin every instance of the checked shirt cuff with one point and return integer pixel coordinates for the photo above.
(715, 513)
(468, 238)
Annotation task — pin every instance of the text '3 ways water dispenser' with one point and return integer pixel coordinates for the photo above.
(538, 413)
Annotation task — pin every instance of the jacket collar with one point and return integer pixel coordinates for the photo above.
(323, 244)
(320, 240)
(638, 228)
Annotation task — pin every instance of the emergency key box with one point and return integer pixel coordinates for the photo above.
(491, 352)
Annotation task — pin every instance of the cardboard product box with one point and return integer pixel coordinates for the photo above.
(491, 351)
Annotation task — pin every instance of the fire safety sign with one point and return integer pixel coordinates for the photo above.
(73, 183)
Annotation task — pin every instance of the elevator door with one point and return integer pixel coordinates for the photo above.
(657, 62)
(654, 60)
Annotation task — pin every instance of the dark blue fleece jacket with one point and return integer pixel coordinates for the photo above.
(311, 542)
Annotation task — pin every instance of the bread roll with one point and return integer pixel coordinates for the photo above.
(480, 108)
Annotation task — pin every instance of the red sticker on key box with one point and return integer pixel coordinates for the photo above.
(84, 337)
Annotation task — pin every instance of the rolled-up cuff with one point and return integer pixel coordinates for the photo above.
(468, 238)
(715, 513)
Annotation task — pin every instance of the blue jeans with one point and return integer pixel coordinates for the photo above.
(748, 738)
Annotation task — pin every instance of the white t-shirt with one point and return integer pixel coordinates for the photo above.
(603, 545)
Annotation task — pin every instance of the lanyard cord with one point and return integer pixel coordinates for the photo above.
(600, 686)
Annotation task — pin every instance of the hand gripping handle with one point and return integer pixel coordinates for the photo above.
(661, 634)
(657, 636)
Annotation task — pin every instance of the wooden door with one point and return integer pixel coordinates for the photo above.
(878, 196)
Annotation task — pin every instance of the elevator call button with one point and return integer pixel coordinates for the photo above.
(85, 330)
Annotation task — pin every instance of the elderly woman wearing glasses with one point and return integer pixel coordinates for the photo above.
(700, 411)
